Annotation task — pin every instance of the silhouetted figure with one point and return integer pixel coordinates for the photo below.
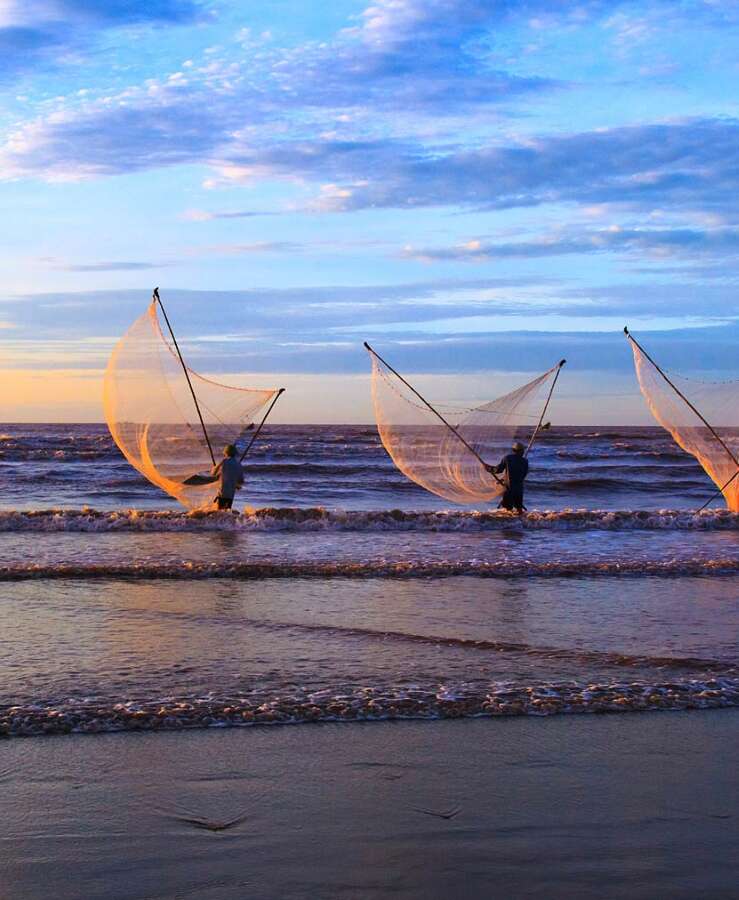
(516, 467)
(230, 477)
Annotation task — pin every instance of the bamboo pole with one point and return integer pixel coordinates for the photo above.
(158, 299)
(264, 419)
(719, 492)
(546, 406)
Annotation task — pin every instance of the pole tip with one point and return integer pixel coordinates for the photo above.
(280, 391)
(626, 330)
(155, 293)
(562, 362)
(367, 346)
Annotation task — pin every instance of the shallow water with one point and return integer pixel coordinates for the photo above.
(346, 467)
(141, 653)
(354, 595)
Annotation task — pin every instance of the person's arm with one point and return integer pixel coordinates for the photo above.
(216, 470)
(494, 470)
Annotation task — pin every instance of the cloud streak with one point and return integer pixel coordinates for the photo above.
(661, 243)
(690, 165)
(309, 315)
(122, 266)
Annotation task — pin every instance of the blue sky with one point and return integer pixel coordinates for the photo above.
(478, 187)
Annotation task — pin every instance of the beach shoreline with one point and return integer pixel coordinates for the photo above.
(573, 806)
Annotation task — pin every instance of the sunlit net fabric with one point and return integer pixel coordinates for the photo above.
(152, 416)
(429, 453)
(718, 403)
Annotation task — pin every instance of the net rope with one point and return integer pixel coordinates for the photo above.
(718, 403)
(152, 416)
(431, 454)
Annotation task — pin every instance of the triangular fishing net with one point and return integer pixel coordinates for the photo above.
(713, 442)
(152, 416)
(430, 453)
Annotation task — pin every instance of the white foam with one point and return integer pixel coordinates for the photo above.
(379, 568)
(321, 519)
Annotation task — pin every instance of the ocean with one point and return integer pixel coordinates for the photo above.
(346, 593)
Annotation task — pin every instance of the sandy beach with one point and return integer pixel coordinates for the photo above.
(619, 806)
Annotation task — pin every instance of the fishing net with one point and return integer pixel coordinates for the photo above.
(446, 459)
(152, 416)
(713, 442)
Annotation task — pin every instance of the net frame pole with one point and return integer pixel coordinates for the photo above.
(264, 419)
(696, 411)
(719, 492)
(436, 413)
(546, 406)
(158, 299)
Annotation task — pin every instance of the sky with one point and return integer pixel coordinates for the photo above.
(476, 187)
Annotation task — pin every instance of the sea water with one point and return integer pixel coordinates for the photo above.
(347, 593)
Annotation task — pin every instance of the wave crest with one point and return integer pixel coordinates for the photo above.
(381, 568)
(365, 704)
(321, 519)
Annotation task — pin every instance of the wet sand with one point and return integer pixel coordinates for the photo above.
(618, 806)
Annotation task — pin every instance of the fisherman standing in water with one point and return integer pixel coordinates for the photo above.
(230, 477)
(516, 467)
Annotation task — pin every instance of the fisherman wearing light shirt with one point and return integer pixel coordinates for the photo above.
(230, 477)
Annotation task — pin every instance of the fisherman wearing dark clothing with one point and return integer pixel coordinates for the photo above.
(516, 467)
(230, 477)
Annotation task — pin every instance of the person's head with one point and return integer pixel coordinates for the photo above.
(229, 451)
(518, 447)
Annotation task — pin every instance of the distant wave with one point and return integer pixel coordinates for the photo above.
(319, 519)
(57, 455)
(634, 477)
(618, 452)
(363, 704)
(580, 655)
(188, 569)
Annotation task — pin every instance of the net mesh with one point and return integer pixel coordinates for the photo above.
(431, 454)
(717, 402)
(153, 419)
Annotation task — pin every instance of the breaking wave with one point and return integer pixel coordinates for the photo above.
(363, 704)
(380, 568)
(320, 519)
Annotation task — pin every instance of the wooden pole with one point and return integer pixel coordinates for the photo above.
(158, 300)
(546, 405)
(264, 419)
(719, 492)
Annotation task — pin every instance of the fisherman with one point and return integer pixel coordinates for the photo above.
(516, 467)
(230, 477)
